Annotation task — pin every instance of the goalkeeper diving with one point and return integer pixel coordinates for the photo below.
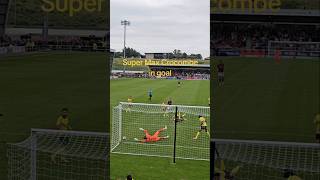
(152, 138)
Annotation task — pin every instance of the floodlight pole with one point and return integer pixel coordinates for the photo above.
(125, 23)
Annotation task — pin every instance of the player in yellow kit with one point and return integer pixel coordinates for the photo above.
(294, 177)
(62, 124)
(223, 174)
(180, 117)
(291, 175)
(63, 120)
(130, 100)
(203, 126)
(317, 123)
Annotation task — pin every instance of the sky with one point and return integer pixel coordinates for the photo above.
(162, 25)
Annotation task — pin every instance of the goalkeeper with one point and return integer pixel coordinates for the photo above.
(203, 126)
(154, 138)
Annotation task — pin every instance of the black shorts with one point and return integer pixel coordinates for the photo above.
(203, 128)
(64, 140)
(318, 136)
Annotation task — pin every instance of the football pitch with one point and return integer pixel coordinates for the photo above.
(260, 100)
(194, 93)
(35, 87)
(265, 100)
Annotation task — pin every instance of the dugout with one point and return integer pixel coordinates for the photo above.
(200, 71)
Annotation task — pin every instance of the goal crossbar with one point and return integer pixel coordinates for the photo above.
(302, 157)
(89, 144)
(59, 154)
(176, 105)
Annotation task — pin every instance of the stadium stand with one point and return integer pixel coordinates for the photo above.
(196, 72)
(42, 34)
(234, 35)
(29, 40)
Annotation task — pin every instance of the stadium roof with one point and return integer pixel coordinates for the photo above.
(157, 53)
(285, 16)
(126, 71)
(56, 32)
(280, 12)
(183, 66)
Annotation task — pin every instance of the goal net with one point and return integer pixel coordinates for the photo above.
(260, 160)
(129, 117)
(294, 49)
(59, 155)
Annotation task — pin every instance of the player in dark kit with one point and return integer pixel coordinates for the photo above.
(220, 73)
(150, 94)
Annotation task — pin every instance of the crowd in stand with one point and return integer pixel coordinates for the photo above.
(90, 43)
(257, 36)
(192, 74)
(186, 75)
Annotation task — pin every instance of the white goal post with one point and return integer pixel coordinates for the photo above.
(294, 49)
(128, 118)
(57, 154)
(255, 160)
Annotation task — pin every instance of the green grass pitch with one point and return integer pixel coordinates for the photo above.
(194, 93)
(264, 100)
(260, 100)
(35, 87)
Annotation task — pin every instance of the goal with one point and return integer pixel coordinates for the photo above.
(129, 117)
(294, 49)
(260, 160)
(55, 154)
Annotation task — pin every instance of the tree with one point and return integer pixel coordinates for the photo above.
(184, 55)
(118, 54)
(195, 56)
(177, 53)
(130, 52)
(170, 56)
(199, 56)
